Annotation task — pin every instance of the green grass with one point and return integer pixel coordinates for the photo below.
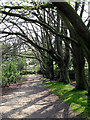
(24, 75)
(76, 99)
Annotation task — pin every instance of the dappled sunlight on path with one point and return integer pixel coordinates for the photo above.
(32, 99)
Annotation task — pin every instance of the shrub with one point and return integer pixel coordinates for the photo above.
(11, 70)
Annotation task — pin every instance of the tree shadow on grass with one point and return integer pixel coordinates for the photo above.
(76, 99)
(82, 102)
(86, 112)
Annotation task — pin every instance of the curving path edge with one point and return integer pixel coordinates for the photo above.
(33, 99)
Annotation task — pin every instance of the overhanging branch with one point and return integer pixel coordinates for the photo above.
(41, 23)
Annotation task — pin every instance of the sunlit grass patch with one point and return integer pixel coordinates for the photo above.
(44, 79)
(24, 75)
(76, 99)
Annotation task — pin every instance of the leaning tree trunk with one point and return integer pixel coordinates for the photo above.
(48, 62)
(63, 61)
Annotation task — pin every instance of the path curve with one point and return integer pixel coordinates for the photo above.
(32, 99)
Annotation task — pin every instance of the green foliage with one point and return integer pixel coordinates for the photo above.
(21, 62)
(86, 64)
(37, 67)
(25, 72)
(11, 70)
(77, 99)
(71, 67)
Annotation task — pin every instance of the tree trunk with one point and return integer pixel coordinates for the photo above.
(89, 78)
(79, 63)
(63, 74)
(80, 76)
(47, 68)
(51, 69)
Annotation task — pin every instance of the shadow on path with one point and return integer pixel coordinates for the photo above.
(33, 100)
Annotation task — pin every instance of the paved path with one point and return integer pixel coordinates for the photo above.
(32, 99)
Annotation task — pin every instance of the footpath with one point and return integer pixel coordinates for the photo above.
(33, 99)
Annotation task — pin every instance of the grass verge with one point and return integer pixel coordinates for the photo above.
(76, 99)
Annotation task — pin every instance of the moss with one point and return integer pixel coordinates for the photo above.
(76, 99)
